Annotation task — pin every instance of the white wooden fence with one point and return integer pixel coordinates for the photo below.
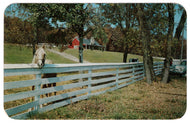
(72, 85)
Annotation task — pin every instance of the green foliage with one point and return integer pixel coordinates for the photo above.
(75, 16)
(17, 30)
(99, 34)
(38, 13)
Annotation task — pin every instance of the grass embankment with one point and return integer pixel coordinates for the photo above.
(136, 101)
(97, 56)
(17, 54)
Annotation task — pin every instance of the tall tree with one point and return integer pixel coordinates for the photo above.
(179, 30)
(74, 15)
(145, 35)
(181, 24)
(168, 58)
(17, 30)
(77, 17)
(98, 24)
(123, 16)
(38, 15)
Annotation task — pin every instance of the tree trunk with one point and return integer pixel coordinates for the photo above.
(166, 71)
(81, 48)
(148, 61)
(126, 29)
(145, 34)
(33, 47)
(81, 35)
(178, 32)
(180, 25)
(167, 61)
(36, 38)
(147, 69)
(125, 53)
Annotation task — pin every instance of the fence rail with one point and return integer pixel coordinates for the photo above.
(75, 82)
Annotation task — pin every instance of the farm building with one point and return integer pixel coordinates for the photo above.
(87, 43)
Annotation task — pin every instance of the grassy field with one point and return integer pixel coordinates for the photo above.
(136, 101)
(97, 56)
(16, 54)
(19, 54)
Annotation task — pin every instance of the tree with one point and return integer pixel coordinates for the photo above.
(176, 50)
(145, 35)
(98, 24)
(115, 40)
(17, 30)
(77, 17)
(181, 24)
(57, 37)
(123, 16)
(38, 15)
(168, 58)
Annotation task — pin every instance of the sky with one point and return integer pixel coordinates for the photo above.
(176, 17)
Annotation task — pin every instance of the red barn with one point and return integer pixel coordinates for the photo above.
(87, 43)
(75, 43)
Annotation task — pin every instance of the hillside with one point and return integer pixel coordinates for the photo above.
(97, 56)
(15, 54)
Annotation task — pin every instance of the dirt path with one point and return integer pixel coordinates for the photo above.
(67, 56)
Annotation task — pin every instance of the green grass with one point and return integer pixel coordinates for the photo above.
(57, 59)
(17, 54)
(136, 101)
(97, 56)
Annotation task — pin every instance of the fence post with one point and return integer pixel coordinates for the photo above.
(157, 69)
(37, 87)
(117, 75)
(89, 80)
(133, 72)
(160, 68)
(144, 74)
(81, 79)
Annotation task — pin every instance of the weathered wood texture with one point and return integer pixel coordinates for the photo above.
(97, 78)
